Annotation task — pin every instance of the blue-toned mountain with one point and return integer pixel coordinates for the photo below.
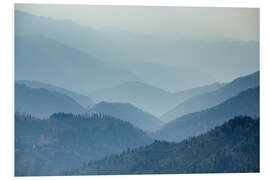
(211, 99)
(83, 100)
(38, 58)
(245, 103)
(130, 113)
(42, 102)
(64, 141)
(230, 148)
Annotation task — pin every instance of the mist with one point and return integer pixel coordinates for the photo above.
(206, 44)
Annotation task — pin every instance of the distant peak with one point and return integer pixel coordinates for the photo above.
(105, 103)
(134, 82)
(140, 85)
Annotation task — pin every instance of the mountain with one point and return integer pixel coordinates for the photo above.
(83, 38)
(83, 100)
(184, 95)
(245, 103)
(130, 113)
(141, 95)
(64, 141)
(147, 97)
(210, 99)
(196, 59)
(108, 44)
(172, 79)
(230, 148)
(58, 64)
(42, 102)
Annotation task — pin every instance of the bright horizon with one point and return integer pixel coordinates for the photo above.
(231, 23)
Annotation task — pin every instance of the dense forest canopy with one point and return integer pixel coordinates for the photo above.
(65, 141)
(232, 147)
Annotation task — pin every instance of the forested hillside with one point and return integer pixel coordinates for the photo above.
(65, 141)
(230, 148)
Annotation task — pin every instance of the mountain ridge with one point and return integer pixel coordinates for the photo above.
(42, 102)
(64, 141)
(48, 56)
(245, 103)
(123, 47)
(230, 148)
(148, 97)
(84, 100)
(210, 99)
(128, 112)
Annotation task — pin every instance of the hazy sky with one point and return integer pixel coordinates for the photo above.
(236, 23)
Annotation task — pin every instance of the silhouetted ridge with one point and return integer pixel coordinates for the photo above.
(65, 141)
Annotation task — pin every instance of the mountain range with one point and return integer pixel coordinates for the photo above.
(60, 65)
(230, 148)
(210, 99)
(130, 113)
(245, 103)
(172, 78)
(147, 97)
(92, 101)
(42, 102)
(122, 48)
(64, 142)
(83, 100)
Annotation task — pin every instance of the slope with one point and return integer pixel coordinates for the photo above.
(130, 113)
(65, 141)
(42, 102)
(147, 97)
(245, 103)
(117, 46)
(58, 64)
(230, 148)
(83, 100)
(210, 99)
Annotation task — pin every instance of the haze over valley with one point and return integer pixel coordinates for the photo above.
(166, 90)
